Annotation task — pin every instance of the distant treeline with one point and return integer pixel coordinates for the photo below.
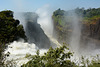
(62, 19)
(80, 11)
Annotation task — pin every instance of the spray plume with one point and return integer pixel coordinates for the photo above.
(45, 19)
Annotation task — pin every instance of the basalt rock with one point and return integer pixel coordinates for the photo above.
(92, 30)
(34, 32)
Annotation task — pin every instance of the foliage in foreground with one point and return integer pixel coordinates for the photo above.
(53, 58)
(10, 30)
(59, 57)
(95, 62)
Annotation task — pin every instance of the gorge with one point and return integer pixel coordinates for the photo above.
(77, 29)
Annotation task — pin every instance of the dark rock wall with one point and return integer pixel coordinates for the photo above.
(92, 30)
(34, 32)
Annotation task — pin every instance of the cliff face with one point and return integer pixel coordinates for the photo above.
(34, 32)
(90, 23)
(62, 33)
(61, 26)
(92, 30)
(88, 32)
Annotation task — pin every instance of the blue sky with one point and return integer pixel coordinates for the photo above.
(31, 5)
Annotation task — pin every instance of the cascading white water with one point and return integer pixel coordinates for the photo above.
(18, 50)
(77, 45)
(46, 22)
(76, 32)
(45, 19)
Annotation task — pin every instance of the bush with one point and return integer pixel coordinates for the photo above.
(10, 30)
(53, 58)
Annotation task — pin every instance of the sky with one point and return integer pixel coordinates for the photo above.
(32, 5)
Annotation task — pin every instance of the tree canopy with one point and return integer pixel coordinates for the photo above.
(53, 58)
(10, 30)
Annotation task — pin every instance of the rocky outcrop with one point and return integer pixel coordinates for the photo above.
(60, 33)
(34, 32)
(92, 30)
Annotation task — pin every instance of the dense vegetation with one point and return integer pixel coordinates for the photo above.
(60, 25)
(58, 57)
(10, 29)
(53, 58)
(90, 14)
(89, 18)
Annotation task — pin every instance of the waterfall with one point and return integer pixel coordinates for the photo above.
(76, 33)
(39, 34)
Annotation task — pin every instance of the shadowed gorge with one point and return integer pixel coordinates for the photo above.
(34, 32)
(62, 33)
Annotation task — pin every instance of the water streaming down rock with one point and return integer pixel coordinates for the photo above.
(37, 39)
(18, 50)
(34, 32)
(76, 33)
(46, 23)
(82, 45)
(40, 36)
(45, 19)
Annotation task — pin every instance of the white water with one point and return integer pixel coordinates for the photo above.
(76, 33)
(45, 19)
(46, 22)
(18, 51)
(54, 41)
(89, 52)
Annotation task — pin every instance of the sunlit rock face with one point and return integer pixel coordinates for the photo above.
(34, 32)
(92, 30)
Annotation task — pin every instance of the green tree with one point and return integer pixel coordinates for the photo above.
(10, 30)
(53, 58)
